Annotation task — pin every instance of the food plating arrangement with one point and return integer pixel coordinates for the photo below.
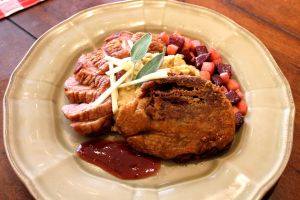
(168, 96)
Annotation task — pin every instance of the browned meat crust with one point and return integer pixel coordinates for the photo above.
(132, 118)
(177, 116)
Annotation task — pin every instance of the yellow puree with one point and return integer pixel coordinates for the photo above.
(174, 62)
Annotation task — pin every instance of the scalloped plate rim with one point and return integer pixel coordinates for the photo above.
(262, 189)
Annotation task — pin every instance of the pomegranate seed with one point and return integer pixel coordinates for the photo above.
(242, 106)
(172, 49)
(217, 61)
(233, 97)
(208, 66)
(233, 84)
(205, 75)
(164, 37)
(216, 79)
(225, 77)
(200, 59)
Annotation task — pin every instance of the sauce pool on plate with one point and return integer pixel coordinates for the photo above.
(117, 158)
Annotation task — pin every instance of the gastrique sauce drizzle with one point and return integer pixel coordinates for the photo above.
(117, 158)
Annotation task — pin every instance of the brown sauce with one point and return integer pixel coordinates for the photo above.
(117, 158)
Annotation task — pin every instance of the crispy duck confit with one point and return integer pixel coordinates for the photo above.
(177, 116)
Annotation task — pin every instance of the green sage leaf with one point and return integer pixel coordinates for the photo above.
(151, 66)
(140, 48)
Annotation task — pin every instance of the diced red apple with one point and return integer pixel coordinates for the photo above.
(239, 92)
(242, 106)
(217, 61)
(194, 44)
(164, 37)
(208, 66)
(172, 49)
(225, 77)
(205, 75)
(215, 56)
(233, 85)
(187, 43)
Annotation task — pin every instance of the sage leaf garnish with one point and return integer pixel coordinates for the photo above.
(151, 66)
(140, 48)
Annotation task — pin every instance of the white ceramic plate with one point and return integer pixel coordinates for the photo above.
(40, 145)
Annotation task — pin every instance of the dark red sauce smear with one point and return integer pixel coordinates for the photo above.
(117, 158)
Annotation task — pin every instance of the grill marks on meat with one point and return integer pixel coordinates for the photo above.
(177, 116)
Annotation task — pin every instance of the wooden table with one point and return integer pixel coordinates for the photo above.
(275, 22)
